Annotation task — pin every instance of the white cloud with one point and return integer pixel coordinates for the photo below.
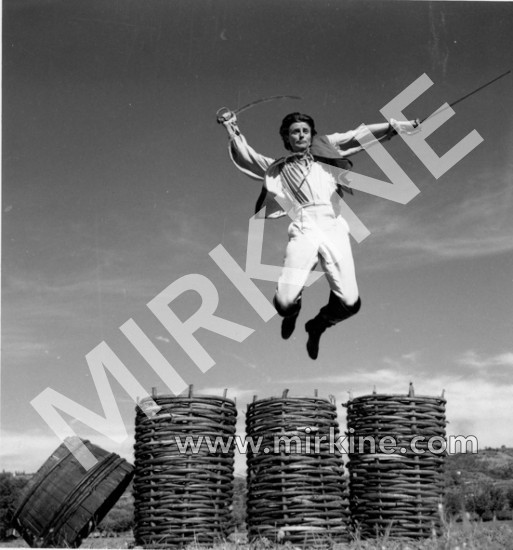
(74, 286)
(477, 405)
(241, 361)
(406, 361)
(28, 450)
(356, 379)
(234, 392)
(185, 233)
(482, 409)
(472, 226)
(472, 359)
(24, 349)
(413, 356)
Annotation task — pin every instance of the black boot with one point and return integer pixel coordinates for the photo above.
(288, 325)
(289, 318)
(315, 327)
(331, 314)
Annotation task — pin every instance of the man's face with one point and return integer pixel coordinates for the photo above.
(300, 137)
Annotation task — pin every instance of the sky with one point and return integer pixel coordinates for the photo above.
(116, 182)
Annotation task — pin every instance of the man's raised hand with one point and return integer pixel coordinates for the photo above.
(404, 126)
(225, 116)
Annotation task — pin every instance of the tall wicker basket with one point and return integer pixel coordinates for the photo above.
(296, 492)
(396, 489)
(184, 496)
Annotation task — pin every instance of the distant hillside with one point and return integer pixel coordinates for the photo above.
(488, 465)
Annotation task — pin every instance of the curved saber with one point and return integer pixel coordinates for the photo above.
(265, 100)
(224, 113)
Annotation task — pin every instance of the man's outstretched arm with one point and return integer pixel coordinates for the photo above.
(349, 142)
(243, 156)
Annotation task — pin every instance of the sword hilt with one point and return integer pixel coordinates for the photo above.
(224, 115)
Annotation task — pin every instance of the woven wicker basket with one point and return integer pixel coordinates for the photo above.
(296, 492)
(183, 496)
(395, 489)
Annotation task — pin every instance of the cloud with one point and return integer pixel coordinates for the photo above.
(186, 232)
(405, 361)
(354, 379)
(482, 409)
(427, 231)
(478, 405)
(234, 393)
(26, 451)
(20, 349)
(241, 361)
(74, 288)
(472, 359)
(387, 378)
(413, 356)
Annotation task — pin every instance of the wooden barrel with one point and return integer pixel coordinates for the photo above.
(63, 502)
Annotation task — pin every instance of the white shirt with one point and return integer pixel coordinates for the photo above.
(315, 182)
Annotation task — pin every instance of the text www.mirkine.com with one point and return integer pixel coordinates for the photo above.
(332, 443)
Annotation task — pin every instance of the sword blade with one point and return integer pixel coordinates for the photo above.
(466, 96)
(479, 89)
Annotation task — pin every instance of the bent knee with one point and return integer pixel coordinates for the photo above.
(286, 307)
(348, 306)
(355, 307)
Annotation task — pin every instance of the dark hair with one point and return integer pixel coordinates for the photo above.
(289, 120)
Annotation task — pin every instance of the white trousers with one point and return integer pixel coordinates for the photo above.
(317, 234)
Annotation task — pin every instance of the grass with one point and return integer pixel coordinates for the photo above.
(493, 535)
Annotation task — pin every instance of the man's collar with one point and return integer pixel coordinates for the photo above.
(306, 155)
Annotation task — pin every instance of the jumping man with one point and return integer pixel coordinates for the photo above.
(306, 185)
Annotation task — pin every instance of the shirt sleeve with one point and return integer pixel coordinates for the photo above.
(246, 159)
(349, 140)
